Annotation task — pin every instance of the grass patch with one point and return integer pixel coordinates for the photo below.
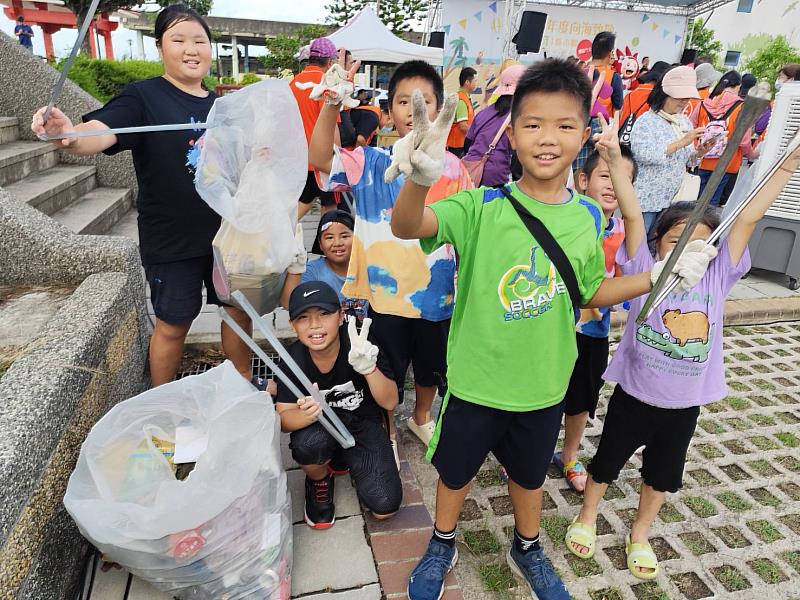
(583, 567)
(763, 443)
(556, 527)
(765, 497)
(704, 478)
(759, 368)
(735, 446)
(670, 514)
(792, 559)
(496, 577)
(741, 356)
(733, 502)
(738, 386)
(697, 543)
(762, 401)
(788, 439)
(700, 506)
(482, 541)
(711, 426)
(737, 403)
(732, 537)
(788, 418)
(762, 467)
(735, 472)
(731, 578)
(709, 451)
(767, 570)
(763, 384)
(738, 424)
(649, 591)
(765, 531)
(489, 478)
(606, 594)
(789, 462)
(762, 420)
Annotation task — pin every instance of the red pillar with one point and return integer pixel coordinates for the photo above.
(49, 52)
(109, 46)
(92, 40)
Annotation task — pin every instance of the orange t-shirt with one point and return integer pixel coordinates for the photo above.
(636, 102)
(695, 102)
(708, 164)
(309, 109)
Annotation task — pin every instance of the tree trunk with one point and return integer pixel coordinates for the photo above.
(80, 18)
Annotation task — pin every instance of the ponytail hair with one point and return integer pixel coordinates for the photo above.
(174, 14)
(731, 79)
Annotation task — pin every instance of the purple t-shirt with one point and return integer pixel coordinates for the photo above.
(497, 170)
(674, 359)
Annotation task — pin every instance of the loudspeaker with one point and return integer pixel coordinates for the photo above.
(531, 30)
(688, 56)
(436, 40)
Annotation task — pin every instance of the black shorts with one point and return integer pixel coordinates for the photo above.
(587, 376)
(665, 434)
(371, 460)
(311, 191)
(523, 442)
(176, 288)
(418, 342)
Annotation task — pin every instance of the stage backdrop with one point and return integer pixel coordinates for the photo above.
(475, 33)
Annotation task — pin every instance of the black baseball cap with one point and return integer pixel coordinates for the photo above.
(328, 219)
(312, 294)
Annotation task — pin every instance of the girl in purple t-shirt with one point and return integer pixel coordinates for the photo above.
(665, 369)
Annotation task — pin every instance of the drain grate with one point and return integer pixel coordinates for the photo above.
(259, 368)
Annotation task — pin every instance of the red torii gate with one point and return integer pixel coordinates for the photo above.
(50, 19)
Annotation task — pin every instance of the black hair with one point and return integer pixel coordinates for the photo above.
(20, 18)
(320, 61)
(466, 74)
(679, 213)
(603, 44)
(554, 75)
(658, 96)
(503, 104)
(700, 60)
(748, 82)
(729, 80)
(174, 14)
(417, 68)
(594, 159)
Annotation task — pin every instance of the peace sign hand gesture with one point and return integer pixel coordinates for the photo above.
(336, 87)
(363, 355)
(607, 141)
(420, 154)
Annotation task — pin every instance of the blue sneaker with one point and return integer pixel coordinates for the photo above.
(537, 571)
(427, 578)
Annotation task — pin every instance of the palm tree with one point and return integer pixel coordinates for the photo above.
(459, 45)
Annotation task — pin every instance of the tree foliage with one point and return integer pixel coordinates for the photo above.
(283, 48)
(769, 59)
(398, 15)
(201, 6)
(704, 41)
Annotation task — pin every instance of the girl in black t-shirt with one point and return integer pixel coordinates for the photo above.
(176, 226)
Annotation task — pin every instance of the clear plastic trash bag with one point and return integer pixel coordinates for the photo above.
(223, 532)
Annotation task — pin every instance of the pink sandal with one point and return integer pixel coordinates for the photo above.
(574, 472)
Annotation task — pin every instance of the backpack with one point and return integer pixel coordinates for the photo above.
(627, 126)
(717, 128)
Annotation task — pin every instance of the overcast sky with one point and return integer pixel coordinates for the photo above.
(304, 11)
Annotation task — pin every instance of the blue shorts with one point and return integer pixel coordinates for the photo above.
(176, 288)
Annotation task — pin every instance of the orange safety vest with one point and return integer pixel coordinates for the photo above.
(377, 112)
(703, 119)
(608, 74)
(457, 137)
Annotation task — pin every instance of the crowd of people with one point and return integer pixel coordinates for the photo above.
(493, 277)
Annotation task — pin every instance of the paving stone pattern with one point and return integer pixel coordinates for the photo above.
(730, 533)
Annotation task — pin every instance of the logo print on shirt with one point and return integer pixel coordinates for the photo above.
(344, 396)
(527, 291)
(688, 335)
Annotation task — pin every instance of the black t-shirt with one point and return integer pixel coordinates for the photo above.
(365, 123)
(174, 222)
(343, 389)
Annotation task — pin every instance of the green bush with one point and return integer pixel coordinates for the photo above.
(104, 79)
(249, 78)
(210, 82)
(767, 61)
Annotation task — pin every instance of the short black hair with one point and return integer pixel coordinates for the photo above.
(320, 61)
(679, 213)
(703, 60)
(550, 76)
(594, 159)
(729, 80)
(658, 96)
(417, 68)
(466, 74)
(603, 44)
(20, 18)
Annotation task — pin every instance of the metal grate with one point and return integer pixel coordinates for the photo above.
(784, 124)
(259, 368)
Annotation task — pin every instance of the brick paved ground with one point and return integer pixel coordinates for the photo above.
(728, 534)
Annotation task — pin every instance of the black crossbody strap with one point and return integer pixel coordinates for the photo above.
(551, 247)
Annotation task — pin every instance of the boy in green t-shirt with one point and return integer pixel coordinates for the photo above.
(512, 344)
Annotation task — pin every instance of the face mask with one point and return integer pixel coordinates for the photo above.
(779, 84)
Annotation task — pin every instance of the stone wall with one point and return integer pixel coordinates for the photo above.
(26, 82)
(90, 356)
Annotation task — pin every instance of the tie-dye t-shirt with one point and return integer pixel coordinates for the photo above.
(596, 322)
(395, 275)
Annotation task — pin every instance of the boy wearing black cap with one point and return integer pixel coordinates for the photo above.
(354, 378)
(334, 243)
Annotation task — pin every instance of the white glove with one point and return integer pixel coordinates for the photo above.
(300, 258)
(335, 88)
(363, 355)
(420, 154)
(691, 265)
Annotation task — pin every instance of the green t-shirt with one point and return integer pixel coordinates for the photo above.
(512, 335)
(462, 114)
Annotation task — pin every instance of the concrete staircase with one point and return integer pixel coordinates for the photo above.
(31, 171)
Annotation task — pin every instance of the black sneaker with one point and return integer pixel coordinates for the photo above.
(338, 466)
(320, 511)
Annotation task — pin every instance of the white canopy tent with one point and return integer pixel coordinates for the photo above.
(370, 41)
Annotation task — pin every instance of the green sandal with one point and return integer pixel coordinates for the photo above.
(583, 535)
(641, 556)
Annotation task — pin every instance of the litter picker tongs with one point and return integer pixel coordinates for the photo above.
(327, 417)
(754, 105)
(727, 223)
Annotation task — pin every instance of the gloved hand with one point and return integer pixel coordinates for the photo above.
(363, 355)
(691, 265)
(335, 88)
(420, 154)
(300, 258)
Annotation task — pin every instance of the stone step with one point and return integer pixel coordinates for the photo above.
(18, 159)
(9, 129)
(96, 212)
(126, 226)
(56, 188)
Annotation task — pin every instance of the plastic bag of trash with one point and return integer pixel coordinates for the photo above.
(224, 531)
